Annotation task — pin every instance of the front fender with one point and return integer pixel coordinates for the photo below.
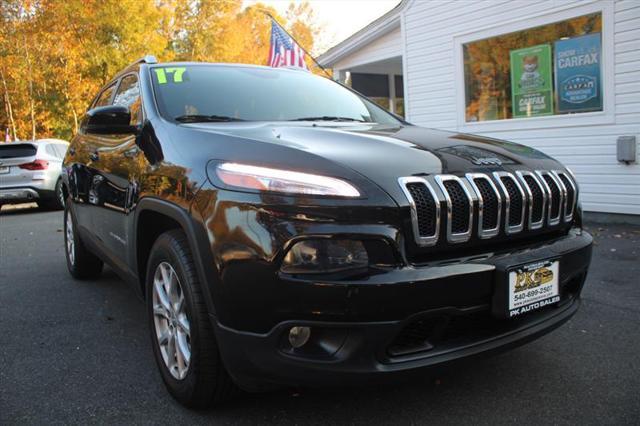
(196, 235)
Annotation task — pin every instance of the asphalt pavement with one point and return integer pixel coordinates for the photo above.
(79, 352)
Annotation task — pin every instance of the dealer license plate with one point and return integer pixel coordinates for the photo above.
(533, 286)
(4, 170)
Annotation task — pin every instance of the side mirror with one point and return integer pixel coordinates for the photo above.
(109, 120)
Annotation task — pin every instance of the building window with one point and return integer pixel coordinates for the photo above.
(376, 88)
(553, 69)
(373, 86)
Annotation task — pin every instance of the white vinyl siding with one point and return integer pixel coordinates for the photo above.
(384, 47)
(586, 144)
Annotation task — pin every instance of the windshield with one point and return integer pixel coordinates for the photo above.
(195, 93)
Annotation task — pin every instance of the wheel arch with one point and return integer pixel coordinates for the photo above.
(154, 217)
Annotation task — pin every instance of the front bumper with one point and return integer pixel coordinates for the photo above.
(448, 306)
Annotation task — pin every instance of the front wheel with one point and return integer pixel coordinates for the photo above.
(184, 344)
(81, 263)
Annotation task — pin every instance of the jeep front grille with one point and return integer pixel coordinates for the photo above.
(557, 197)
(487, 204)
(459, 207)
(571, 193)
(425, 209)
(535, 197)
(514, 201)
(426, 206)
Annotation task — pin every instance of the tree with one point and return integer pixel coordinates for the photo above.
(55, 55)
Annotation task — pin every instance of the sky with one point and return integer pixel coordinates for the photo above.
(338, 18)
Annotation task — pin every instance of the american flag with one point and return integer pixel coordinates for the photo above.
(284, 51)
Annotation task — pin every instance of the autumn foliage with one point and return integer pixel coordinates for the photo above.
(55, 54)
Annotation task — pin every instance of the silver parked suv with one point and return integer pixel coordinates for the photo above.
(30, 171)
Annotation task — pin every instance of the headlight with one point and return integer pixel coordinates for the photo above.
(325, 256)
(278, 180)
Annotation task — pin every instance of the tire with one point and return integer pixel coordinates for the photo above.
(200, 380)
(57, 202)
(81, 263)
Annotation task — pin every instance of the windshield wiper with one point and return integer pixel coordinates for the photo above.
(327, 118)
(196, 118)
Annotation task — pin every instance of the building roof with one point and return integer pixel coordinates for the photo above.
(381, 26)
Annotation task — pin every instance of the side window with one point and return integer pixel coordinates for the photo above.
(51, 150)
(129, 95)
(62, 149)
(105, 96)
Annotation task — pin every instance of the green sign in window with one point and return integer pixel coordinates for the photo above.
(531, 81)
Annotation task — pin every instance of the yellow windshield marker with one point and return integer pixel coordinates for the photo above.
(162, 78)
(176, 72)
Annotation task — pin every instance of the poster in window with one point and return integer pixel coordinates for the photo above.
(578, 79)
(531, 83)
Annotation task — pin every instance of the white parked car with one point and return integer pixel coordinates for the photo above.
(30, 172)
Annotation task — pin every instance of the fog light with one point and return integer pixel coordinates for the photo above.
(325, 256)
(298, 336)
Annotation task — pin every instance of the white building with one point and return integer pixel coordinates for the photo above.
(452, 65)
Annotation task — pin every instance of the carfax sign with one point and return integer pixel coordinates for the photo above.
(578, 79)
(531, 82)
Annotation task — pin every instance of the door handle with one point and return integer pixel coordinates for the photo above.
(94, 156)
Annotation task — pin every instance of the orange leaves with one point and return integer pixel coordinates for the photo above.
(75, 46)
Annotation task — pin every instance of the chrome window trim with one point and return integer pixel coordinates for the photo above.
(485, 233)
(568, 215)
(551, 221)
(521, 175)
(428, 240)
(458, 237)
(511, 229)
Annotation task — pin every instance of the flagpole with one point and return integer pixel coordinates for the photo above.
(296, 41)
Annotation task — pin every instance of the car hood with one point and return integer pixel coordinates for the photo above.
(383, 154)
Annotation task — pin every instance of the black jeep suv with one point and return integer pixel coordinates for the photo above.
(284, 230)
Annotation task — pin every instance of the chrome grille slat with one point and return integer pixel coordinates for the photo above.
(563, 193)
(534, 202)
(552, 219)
(511, 205)
(473, 179)
(423, 240)
(571, 194)
(460, 236)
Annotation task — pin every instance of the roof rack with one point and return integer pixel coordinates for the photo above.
(146, 59)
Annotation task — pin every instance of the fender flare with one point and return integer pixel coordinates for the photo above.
(196, 236)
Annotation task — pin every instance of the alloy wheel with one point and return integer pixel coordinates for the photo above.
(170, 319)
(70, 241)
(60, 194)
